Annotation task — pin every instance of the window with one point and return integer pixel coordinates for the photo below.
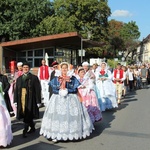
(22, 54)
(29, 53)
(38, 52)
(29, 59)
(37, 62)
(49, 51)
(22, 60)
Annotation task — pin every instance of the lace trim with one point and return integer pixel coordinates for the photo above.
(65, 137)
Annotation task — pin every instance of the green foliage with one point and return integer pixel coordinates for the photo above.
(53, 25)
(130, 31)
(112, 63)
(123, 37)
(29, 18)
(81, 15)
(19, 17)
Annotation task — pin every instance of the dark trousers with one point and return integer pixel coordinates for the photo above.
(28, 121)
(131, 84)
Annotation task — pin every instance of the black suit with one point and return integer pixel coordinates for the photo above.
(32, 98)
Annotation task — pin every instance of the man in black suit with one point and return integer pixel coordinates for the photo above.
(27, 97)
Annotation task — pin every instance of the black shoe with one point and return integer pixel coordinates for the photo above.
(32, 126)
(26, 127)
(24, 134)
(32, 130)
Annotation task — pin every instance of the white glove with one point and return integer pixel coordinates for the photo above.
(63, 92)
(39, 105)
(3, 93)
(15, 104)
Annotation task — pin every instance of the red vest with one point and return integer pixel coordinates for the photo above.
(120, 74)
(46, 75)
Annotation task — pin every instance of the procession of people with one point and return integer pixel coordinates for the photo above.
(74, 97)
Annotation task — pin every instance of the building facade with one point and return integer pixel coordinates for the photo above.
(143, 51)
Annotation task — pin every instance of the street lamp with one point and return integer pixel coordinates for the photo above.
(88, 38)
(123, 59)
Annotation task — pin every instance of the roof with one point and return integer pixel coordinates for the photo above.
(71, 40)
(146, 39)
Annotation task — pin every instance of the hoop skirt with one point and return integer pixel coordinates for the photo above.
(106, 95)
(105, 91)
(5, 124)
(66, 118)
(90, 101)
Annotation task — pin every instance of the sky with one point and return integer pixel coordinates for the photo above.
(132, 10)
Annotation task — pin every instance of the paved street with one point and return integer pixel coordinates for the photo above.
(127, 128)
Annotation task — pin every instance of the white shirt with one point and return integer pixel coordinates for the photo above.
(130, 76)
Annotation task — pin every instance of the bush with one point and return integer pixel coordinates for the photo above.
(112, 63)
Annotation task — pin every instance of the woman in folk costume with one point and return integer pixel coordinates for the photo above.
(105, 88)
(88, 96)
(17, 74)
(88, 71)
(5, 122)
(94, 67)
(65, 118)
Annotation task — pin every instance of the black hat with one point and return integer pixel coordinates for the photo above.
(26, 64)
(55, 63)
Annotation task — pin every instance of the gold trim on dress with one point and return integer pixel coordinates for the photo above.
(23, 96)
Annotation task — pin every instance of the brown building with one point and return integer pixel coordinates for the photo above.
(59, 47)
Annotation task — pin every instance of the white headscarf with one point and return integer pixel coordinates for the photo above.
(99, 68)
(19, 64)
(85, 63)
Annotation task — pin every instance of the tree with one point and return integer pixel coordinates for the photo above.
(123, 37)
(115, 40)
(115, 28)
(53, 25)
(130, 34)
(130, 31)
(81, 15)
(18, 18)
